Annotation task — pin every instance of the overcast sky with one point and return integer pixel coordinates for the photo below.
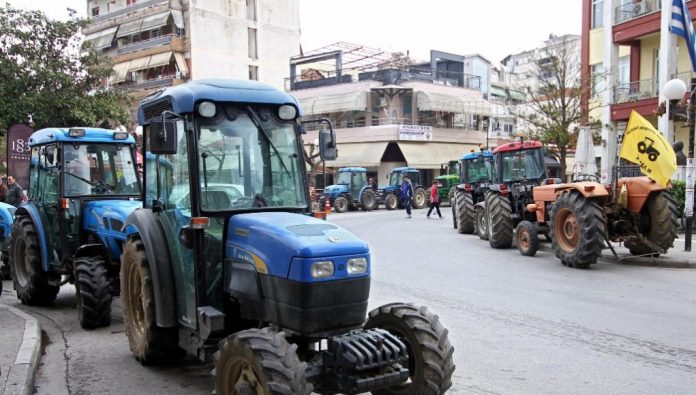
(492, 28)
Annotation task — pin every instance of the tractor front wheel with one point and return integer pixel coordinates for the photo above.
(368, 201)
(259, 361)
(418, 201)
(577, 230)
(499, 218)
(481, 222)
(527, 238)
(33, 285)
(93, 290)
(465, 211)
(430, 353)
(391, 202)
(658, 223)
(148, 342)
(341, 204)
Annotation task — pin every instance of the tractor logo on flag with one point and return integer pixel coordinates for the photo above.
(646, 147)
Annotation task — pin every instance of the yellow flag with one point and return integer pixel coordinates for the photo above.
(646, 147)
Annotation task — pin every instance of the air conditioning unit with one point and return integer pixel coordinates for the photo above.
(382, 102)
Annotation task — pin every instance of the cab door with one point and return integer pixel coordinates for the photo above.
(46, 198)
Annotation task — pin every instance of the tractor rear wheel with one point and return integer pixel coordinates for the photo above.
(148, 342)
(658, 223)
(259, 361)
(453, 205)
(465, 211)
(341, 204)
(33, 285)
(368, 201)
(93, 290)
(577, 230)
(391, 202)
(499, 220)
(418, 201)
(527, 238)
(430, 362)
(481, 222)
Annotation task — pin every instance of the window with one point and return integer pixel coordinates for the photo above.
(251, 10)
(95, 11)
(624, 70)
(254, 73)
(597, 14)
(253, 50)
(131, 2)
(598, 84)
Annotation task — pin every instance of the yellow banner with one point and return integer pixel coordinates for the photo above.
(646, 147)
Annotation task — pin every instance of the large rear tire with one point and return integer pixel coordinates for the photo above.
(93, 290)
(148, 342)
(418, 201)
(577, 229)
(499, 220)
(391, 202)
(430, 353)
(340, 204)
(368, 201)
(465, 211)
(259, 361)
(658, 223)
(33, 285)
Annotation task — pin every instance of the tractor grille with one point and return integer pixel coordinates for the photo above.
(155, 110)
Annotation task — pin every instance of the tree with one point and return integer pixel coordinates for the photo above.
(553, 110)
(46, 72)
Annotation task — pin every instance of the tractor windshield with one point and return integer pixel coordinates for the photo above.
(343, 178)
(395, 179)
(522, 165)
(249, 159)
(99, 169)
(479, 169)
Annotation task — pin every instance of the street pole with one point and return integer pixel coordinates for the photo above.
(323, 172)
(689, 195)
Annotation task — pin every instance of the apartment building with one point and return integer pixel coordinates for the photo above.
(629, 55)
(390, 110)
(159, 43)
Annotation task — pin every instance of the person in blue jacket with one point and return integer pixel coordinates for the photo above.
(406, 195)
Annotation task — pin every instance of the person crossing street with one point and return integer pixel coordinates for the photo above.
(406, 195)
(434, 200)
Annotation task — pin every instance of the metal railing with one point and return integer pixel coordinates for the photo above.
(127, 10)
(685, 76)
(395, 121)
(636, 90)
(140, 45)
(146, 84)
(635, 10)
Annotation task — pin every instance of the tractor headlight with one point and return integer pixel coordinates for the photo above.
(322, 269)
(357, 265)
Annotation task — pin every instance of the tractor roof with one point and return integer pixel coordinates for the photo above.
(91, 135)
(404, 170)
(516, 146)
(352, 170)
(182, 98)
(476, 154)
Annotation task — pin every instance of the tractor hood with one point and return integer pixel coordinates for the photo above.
(108, 214)
(336, 188)
(277, 238)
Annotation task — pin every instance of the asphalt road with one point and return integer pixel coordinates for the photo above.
(519, 325)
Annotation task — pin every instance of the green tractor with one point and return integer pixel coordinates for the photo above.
(389, 195)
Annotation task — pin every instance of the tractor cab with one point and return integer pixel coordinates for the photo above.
(477, 168)
(351, 191)
(389, 195)
(520, 162)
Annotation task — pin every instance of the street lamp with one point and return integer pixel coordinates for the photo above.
(675, 90)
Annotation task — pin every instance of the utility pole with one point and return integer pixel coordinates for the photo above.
(689, 196)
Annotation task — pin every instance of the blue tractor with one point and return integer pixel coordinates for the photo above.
(225, 261)
(83, 183)
(476, 172)
(350, 192)
(389, 195)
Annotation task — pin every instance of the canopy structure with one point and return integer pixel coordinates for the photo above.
(102, 39)
(181, 63)
(352, 101)
(359, 154)
(155, 21)
(160, 59)
(429, 101)
(432, 155)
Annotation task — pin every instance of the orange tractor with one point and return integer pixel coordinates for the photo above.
(580, 217)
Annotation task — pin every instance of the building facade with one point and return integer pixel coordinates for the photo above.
(629, 55)
(159, 43)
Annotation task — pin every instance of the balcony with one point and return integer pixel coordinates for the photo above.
(127, 10)
(686, 77)
(141, 45)
(161, 82)
(635, 10)
(634, 91)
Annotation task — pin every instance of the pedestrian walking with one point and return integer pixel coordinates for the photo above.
(434, 200)
(14, 192)
(406, 195)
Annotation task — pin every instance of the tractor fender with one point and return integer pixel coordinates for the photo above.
(31, 210)
(588, 189)
(6, 219)
(143, 223)
(494, 188)
(639, 190)
(89, 250)
(481, 204)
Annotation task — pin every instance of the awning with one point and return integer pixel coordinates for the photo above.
(160, 59)
(428, 101)
(102, 39)
(497, 91)
(120, 72)
(155, 21)
(178, 18)
(353, 101)
(181, 63)
(517, 95)
(139, 64)
(129, 28)
(477, 106)
(359, 154)
(432, 155)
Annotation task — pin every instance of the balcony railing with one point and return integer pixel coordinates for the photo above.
(147, 84)
(635, 10)
(395, 121)
(685, 76)
(634, 91)
(127, 9)
(140, 45)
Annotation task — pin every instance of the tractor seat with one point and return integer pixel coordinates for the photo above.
(215, 200)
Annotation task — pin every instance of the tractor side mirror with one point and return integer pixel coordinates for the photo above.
(163, 135)
(327, 145)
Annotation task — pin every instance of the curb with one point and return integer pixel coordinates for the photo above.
(629, 260)
(20, 378)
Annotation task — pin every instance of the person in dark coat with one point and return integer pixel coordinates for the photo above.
(14, 192)
(406, 195)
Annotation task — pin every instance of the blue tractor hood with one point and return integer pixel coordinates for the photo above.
(276, 238)
(108, 214)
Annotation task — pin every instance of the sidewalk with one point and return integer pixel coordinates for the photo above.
(20, 343)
